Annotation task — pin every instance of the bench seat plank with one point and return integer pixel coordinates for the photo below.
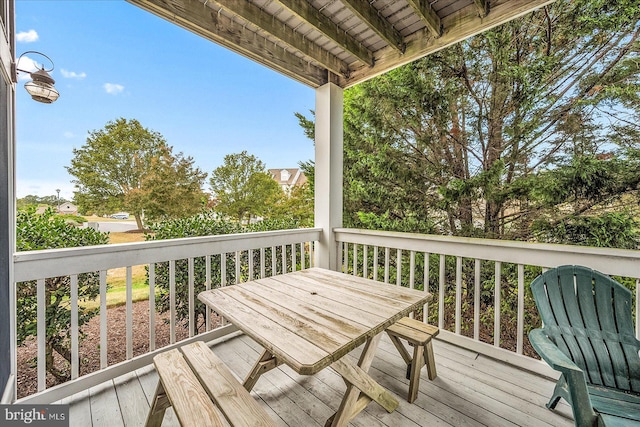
(180, 385)
(237, 405)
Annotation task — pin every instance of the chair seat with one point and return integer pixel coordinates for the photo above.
(611, 403)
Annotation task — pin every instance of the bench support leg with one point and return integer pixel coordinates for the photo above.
(158, 407)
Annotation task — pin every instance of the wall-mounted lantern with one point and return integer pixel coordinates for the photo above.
(41, 85)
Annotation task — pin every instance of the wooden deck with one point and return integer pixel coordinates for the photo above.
(471, 390)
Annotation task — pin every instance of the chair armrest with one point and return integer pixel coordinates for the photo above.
(575, 378)
(551, 353)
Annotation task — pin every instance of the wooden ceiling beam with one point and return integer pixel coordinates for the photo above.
(428, 15)
(457, 27)
(482, 6)
(306, 12)
(370, 16)
(201, 19)
(286, 34)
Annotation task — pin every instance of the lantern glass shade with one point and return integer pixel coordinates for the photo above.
(42, 91)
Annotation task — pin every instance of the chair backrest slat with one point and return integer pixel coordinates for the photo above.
(588, 315)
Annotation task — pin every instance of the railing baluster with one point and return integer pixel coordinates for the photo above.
(103, 319)
(172, 301)
(365, 261)
(425, 287)
(412, 276)
(274, 265)
(129, 315)
(441, 292)
(152, 306)
(312, 249)
(458, 294)
(497, 304)
(192, 314)
(237, 263)
(355, 259)
(294, 248)
(75, 368)
(250, 256)
(41, 334)
(303, 255)
(375, 263)
(519, 344)
(398, 267)
(386, 265)
(476, 301)
(223, 269)
(207, 286)
(283, 258)
(345, 261)
(412, 267)
(263, 267)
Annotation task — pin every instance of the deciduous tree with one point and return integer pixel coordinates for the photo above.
(128, 167)
(243, 187)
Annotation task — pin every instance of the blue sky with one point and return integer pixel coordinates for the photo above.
(114, 60)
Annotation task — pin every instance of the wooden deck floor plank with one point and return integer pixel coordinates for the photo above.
(148, 381)
(277, 398)
(536, 384)
(105, 411)
(434, 397)
(314, 407)
(327, 386)
(470, 390)
(510, 405)
(131, 398)
(79, 409)
(509, 392)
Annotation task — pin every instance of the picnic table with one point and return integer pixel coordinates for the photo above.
(310, 319)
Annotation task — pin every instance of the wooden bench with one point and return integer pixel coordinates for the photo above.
(417, 334)
(202, 391)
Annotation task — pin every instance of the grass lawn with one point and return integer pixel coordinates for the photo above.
(117, 277)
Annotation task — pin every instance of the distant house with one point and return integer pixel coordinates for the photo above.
(68, 209)
(288, 178)
(63, 209)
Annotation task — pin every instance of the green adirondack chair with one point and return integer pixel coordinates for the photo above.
(588, 336)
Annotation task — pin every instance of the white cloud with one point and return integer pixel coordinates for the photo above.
(73, 74)
(69, 134)
(27, 36)
(113, 88)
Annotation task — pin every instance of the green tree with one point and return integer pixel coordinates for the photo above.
(49, 231)
(297, 205)
(128, 167)
(243, 187)
(184, 195)
(455, 142)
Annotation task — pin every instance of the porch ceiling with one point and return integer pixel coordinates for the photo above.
(339, 41)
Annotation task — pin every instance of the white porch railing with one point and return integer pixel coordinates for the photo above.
(478, 285)
(239, 257)
(463, 274)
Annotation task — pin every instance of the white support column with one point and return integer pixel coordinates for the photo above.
(328, 171)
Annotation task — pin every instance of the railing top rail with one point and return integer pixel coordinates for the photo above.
(623, 262)
(46, 263)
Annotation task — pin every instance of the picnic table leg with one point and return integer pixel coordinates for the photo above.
(265, 363)
(361, 388)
